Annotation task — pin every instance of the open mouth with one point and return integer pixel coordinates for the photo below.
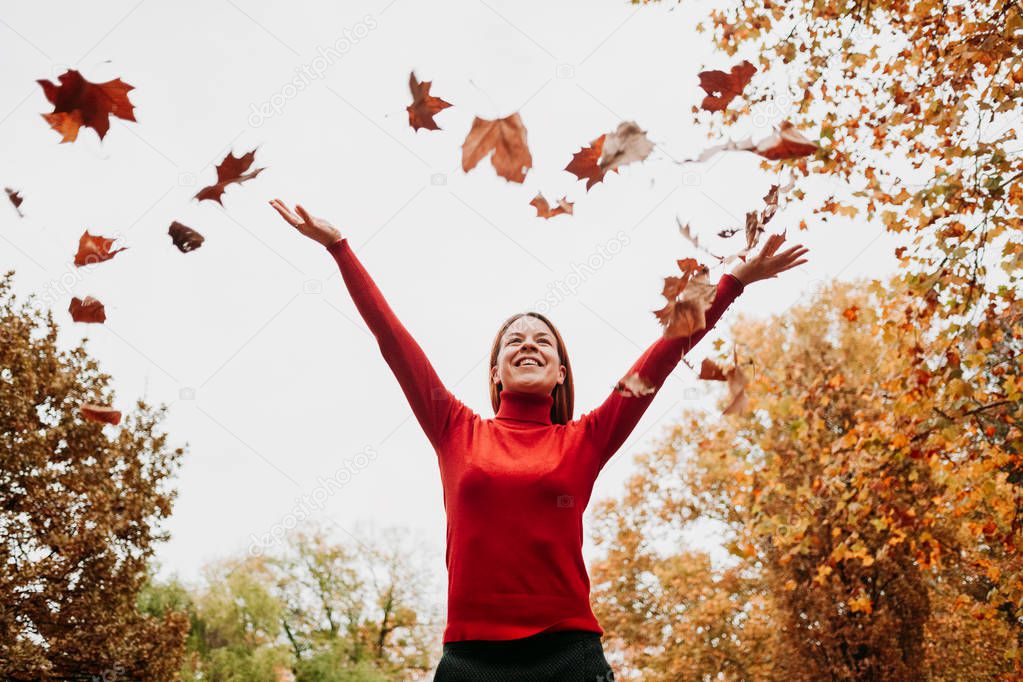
(528, 362)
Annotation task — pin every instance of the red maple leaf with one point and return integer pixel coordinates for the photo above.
(77, 102)
(722, 88)
(94, 249)
(506, 137)
(424, 105)
(585, 163)
(232, 169)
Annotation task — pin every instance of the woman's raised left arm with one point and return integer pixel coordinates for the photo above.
(611, 423)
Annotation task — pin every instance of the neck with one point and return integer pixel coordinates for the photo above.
(525, 407)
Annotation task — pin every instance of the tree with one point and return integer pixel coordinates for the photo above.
(80, 506)
(314, 611)
(841, 498)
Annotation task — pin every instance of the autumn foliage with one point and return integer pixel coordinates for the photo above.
(80, 508)
(869, 508)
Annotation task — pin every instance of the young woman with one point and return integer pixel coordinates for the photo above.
(515, 486)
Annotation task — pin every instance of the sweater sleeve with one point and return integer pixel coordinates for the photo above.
(432, 403)
(611, 423)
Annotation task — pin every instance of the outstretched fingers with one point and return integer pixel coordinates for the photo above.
(285, 212)
(304, 213)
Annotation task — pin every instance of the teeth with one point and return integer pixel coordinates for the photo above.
(529, 361)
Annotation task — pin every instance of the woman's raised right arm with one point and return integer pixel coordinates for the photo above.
(432, 403)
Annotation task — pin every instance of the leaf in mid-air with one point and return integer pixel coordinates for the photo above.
(737, 382)
(688, 296)
(232, 169)
(87, 310)
(628, 143)
(94, 249)
(424, 105)
(634, 386)
(506, 138)
(584, 164)
(184, 237)
(544, 210)
(77, 102)
(722, 87)
(100, 413)
(16, 199)
(785, 143)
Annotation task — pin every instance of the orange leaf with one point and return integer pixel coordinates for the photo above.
(543, 209)
(94, 249)
(424, 105)
(584, 164)
(506, 137)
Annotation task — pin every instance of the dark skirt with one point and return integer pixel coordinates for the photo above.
(562, 656)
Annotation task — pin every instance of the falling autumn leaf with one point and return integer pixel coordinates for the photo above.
(784, 143)
(851, 313)
(544, 210)
(737, 381)
(100, 413)
(184, 237)
(94, 249)
(688, 296)
(87, 310)
(757, 220)
(634, 386)
(686, 231)
(506, 138)
(722, 88)
(628, 143)
(584, 164)
(424, 105)
(16, 199)
(232, 169)
(711, 371)
(77, 102)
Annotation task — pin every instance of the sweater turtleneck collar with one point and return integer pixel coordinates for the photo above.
(525, 407)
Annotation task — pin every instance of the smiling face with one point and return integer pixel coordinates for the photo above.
(527, 360)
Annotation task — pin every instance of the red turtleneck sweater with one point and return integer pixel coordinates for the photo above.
(515, 486)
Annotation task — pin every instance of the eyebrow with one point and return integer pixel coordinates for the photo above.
(507, 334)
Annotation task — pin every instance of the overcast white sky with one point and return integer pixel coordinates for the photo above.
(272, 378)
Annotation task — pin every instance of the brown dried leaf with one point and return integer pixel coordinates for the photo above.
(506, 138)
(87, 310)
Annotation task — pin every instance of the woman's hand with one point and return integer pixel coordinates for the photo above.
(314, 228)
(767, 264)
